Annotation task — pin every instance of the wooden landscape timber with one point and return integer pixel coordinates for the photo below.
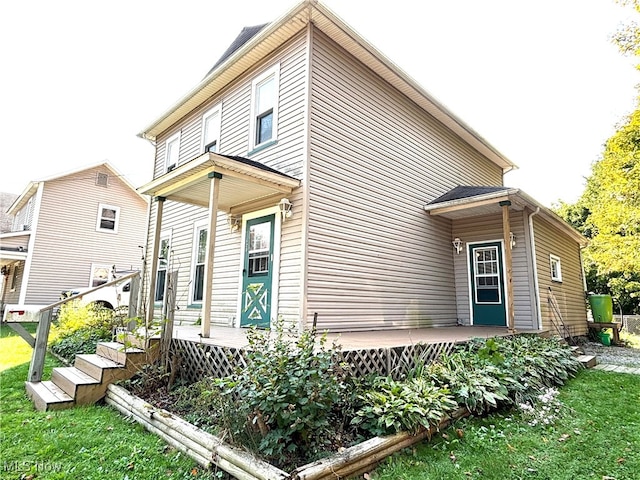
(204, 448)
(208, 450)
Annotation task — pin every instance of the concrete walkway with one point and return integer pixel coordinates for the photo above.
(617, 368)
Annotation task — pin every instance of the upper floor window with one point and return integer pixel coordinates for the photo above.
(211, 130)
(556, 270)
(172, 152)
(108, 217)
(264, 107)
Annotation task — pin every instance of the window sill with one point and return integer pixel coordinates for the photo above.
(262, 146)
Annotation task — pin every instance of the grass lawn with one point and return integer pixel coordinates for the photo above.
(93, 442)
(598, 437)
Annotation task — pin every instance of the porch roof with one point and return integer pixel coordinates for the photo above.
(244, 182)
(471, 201)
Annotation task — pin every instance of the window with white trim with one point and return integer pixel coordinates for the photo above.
(199, 254)
(556, 268)
(108, 217)
(100, 274)
(172, 152)
(211, 130)
(163, 265)
(14, 278)
(264, 108)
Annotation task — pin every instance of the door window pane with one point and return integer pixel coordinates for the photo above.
(487, 277)
(259, 248)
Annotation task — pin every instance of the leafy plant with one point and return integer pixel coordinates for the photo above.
(392, 406)
(79, 329)
(289, 394)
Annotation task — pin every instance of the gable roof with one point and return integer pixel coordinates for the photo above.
(273, 35)
(246, 34)
(32, 187)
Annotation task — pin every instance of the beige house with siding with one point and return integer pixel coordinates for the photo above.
(308, 176)
(69, 231)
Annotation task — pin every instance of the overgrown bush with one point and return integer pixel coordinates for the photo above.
(288, 399)
(79, 329)
(295, 402)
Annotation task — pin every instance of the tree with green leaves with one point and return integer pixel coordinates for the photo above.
(608, 212)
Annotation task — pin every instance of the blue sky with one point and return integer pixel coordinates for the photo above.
(540, 81)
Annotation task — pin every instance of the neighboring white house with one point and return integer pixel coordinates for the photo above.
(70, 230)
(307, 174)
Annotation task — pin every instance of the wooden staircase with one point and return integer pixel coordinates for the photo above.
(86, 382)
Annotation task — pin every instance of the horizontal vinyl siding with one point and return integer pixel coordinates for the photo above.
(569, 293)
(66, 240)
(489, 228)
(376, 259)
(286, 156)
(179, 220)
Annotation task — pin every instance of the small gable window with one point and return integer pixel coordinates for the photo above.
(264, 108)
(108, 217)
(211, 130)
(556, 269)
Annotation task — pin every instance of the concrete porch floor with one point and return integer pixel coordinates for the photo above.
(236, 337)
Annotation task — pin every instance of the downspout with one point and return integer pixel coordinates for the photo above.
(536, 284)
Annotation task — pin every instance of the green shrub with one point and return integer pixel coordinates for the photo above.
(392, 406)
(288, 397)
(79, 329)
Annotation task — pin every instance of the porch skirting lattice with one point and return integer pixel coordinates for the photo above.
(199, 360)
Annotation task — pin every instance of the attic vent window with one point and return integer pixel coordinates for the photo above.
(102, 179)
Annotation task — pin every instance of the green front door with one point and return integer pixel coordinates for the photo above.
(257, 272)
(487, 284)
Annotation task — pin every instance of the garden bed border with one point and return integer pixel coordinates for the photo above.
(208, 450)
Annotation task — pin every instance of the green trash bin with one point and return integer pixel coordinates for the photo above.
(601, 308)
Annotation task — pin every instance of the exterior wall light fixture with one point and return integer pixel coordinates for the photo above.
(512, 240)
(285, 208)
(457, 244)
(234, 222)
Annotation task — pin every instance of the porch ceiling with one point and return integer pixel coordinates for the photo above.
(243, 182)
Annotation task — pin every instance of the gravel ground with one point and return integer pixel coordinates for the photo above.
(624, 356)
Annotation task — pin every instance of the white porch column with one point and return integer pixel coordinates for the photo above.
(506, 234)
(214, 194)
(152, 260)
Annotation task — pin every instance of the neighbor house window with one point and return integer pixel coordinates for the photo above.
(163, 265)
(100, 274)
(199, 253)
(264, 107)
(211, 130)
(14, 278)
(108, 217)
(556, 270)
(172, 152)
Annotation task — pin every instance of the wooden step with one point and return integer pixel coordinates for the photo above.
(118, 353)
(576, 351)
(100, 368)
(48, 396)
(589, 361)
(82, 387)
